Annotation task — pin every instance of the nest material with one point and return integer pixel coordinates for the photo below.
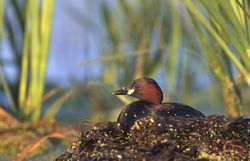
(211, 138)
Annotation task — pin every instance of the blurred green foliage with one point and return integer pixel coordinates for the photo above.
(170, 39)
(35, 22)
(215, 31)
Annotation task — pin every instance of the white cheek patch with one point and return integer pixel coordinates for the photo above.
(131, 91)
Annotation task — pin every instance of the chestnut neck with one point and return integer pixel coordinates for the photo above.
(152, 93)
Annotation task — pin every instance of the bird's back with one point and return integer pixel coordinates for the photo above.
(175, 109)
(164, 112)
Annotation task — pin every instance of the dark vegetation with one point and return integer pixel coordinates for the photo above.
(212, 138)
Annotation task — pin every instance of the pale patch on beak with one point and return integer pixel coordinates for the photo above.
(130, 91)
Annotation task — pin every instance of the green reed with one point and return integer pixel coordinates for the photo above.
(36, 21)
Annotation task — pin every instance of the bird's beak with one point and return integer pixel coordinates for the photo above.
(122, 91)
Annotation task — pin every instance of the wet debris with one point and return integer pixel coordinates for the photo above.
(211, 138)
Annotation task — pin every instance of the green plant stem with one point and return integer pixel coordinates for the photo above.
(193, 9)
(175, 40)
(24, 70)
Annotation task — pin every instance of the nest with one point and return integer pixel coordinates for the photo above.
(211, 138)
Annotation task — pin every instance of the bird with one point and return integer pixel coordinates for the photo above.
(150, 104)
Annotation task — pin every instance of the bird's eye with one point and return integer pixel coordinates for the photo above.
(136, 86)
